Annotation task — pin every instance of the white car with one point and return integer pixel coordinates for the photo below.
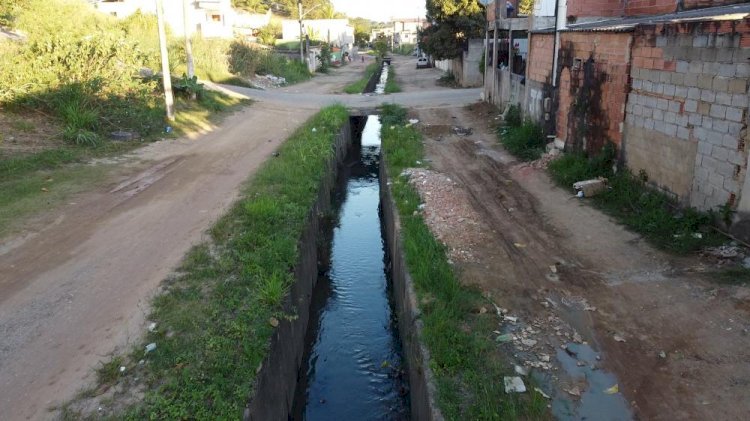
(423, 63)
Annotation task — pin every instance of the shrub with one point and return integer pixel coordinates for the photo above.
(513, 116)
(526, 141)
(325, 57)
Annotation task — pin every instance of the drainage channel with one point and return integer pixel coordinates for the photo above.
(353, 367)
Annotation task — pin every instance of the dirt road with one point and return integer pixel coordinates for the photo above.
(626, 300)
(75, 290)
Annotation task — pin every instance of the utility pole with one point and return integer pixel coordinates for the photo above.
(188, 45)
(301, 47)
(168, 98)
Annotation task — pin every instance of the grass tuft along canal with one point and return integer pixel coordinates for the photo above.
(353, 365)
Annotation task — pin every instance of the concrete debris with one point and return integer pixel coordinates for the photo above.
(575, 391)
(514, 385)
(462, 131)
(528, 342)
(539, 391)
(521, 371)
(591, 188)
(448, 212)
(723, 252)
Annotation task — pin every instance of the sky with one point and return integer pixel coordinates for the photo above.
(381, 10)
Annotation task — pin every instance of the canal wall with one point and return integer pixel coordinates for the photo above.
(275, 383)
(421, 380)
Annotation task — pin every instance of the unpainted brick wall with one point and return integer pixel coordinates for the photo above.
(690, 83)
(697, 4)
(650, 7)
(592, 8)
(540, 54)
(602, 114)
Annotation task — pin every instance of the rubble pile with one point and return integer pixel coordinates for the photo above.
(448, 212)
(268, 81)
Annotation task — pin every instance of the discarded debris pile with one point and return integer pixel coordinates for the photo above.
(268, 81)
(448, 212)
(590, 188)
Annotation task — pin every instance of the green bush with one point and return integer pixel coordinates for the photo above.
(527, 141)
(574, 167)
(513, 116)
(392, 115)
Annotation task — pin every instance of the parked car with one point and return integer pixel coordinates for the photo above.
(423, 63)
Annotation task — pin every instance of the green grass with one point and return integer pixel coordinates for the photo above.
(391, 86)
(638, 206)
(737, 275)
(359, 86)
(213, 320)
(37, 182)
(466, 361)
(526, 141)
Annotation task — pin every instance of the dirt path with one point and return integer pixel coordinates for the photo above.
(74, 291)
(606, 283)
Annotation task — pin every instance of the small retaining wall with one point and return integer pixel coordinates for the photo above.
(421, 381)
(276, 382)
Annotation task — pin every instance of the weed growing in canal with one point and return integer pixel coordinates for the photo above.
(467, 364)
(359, 86)
(213, 320)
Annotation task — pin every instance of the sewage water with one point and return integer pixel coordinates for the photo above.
(353, 366)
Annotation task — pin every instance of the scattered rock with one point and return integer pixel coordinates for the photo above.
(539, 391)
(619, 338)
(522, 371)
(150, 347)
(152, 327)
(514, 385)
(273, 322)
(528, 342)
(662, 354)
(575, 391)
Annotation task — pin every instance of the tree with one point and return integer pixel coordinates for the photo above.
(381, 46)
(362, 30)
(252, 6)
(525, 7)
(454, 22)
(312, 9)
(270, 33)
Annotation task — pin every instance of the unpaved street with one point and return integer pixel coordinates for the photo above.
(564, 268)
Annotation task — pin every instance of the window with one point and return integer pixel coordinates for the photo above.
(216, 18)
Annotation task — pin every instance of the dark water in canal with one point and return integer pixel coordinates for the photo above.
(353, 367)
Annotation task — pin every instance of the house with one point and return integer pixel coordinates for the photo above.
(665, 82)
(405, 31)
(337, 32)
(209, 18)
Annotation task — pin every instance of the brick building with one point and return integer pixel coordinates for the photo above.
(666, 81)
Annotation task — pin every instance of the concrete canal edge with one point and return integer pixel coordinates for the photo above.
(423, 390)
(275, 383)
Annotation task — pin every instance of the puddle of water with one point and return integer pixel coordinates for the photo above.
(595, 403)
(353, 366)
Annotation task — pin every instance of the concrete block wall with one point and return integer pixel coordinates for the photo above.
(592, 104)
(690, 98)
